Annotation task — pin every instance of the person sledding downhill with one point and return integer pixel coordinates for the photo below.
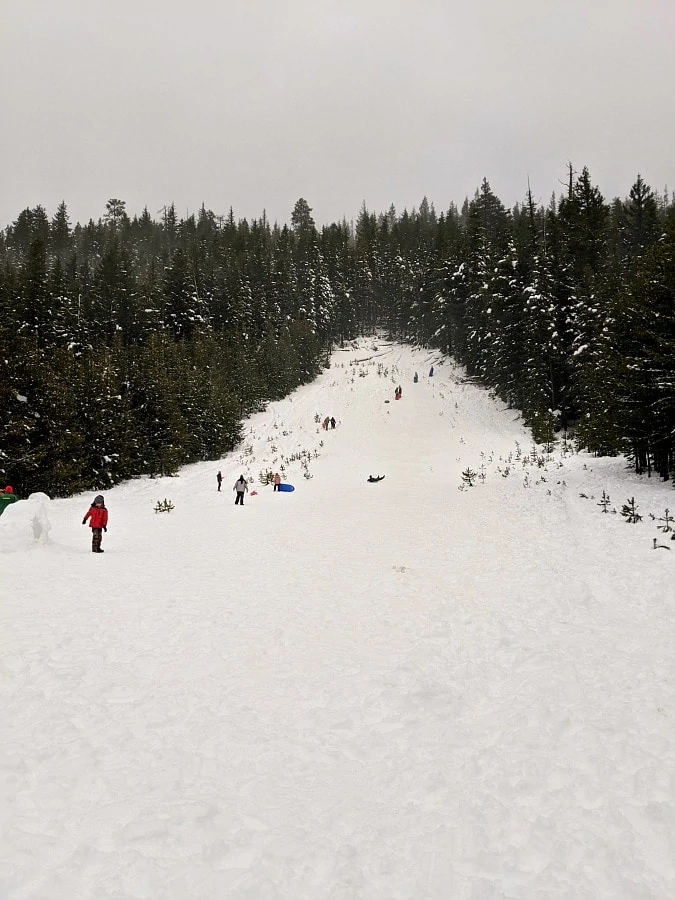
(98, 522)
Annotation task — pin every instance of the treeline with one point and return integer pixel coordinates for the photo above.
(132, 346)
(566, 311)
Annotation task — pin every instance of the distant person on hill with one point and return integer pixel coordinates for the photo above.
(326, 422)
(374, 478)
(416, 378)
(431, 372)
(98, 516)
(332, 421)
(219, 479)
(241, 488)
(276, 481)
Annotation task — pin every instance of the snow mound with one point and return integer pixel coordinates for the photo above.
(25, 523)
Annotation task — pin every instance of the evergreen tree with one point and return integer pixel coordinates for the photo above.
(646, 342)
(35, 301)
(640, 226)
(301, 218)
(60, 231)
(115, 214)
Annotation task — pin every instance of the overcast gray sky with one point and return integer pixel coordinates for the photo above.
(254, 103)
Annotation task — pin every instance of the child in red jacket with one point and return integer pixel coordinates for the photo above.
(98, 515)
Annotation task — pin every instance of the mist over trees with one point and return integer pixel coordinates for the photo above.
(134, 345)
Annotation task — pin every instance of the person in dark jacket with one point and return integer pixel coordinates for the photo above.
(332, 421)
(219, 479)
(98, 522)
(241, 488)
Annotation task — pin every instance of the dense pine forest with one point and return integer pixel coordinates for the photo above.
(131, 346)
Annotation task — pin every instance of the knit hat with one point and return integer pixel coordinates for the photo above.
(99, 499)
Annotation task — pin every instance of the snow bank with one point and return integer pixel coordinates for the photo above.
(25, 523)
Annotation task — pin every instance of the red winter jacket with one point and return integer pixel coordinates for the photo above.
(98, 516)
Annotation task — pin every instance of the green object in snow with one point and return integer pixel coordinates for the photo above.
(5, 500)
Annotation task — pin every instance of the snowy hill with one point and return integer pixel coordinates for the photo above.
(392, 690)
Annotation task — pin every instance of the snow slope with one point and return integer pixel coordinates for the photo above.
(393, 690)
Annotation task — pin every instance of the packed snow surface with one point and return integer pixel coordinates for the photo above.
(393, 690)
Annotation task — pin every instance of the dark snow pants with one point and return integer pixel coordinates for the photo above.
(96, 538)
(239, 499)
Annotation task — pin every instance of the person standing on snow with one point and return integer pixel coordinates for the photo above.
(98, 516)
(241, 488)
(219, 479)
(332, 421)
(276, 481)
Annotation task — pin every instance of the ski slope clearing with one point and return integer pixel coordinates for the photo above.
(355, 690)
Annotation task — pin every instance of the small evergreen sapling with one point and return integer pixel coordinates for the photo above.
(630, 513)
(164, 506)
(668, 521)
(468, 477)
(604, 503)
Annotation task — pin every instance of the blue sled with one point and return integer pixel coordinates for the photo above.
(286, 487)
